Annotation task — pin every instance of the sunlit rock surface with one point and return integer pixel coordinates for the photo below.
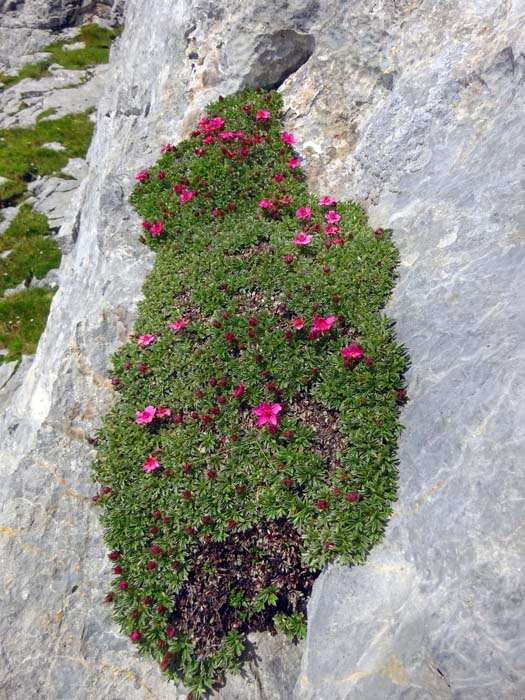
(414, 108)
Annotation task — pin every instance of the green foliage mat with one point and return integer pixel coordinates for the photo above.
(255, 434)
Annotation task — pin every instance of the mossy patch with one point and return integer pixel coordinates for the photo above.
(32, 251)
(23, 317)
(23, 156)
(97, 42)
(255, 434)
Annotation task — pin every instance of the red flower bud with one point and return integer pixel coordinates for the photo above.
(113, 556)
(109, 597)
(151, 565)
(231, 523)
(175, 564)
(186, 495)
(321, 503)
(352, 496)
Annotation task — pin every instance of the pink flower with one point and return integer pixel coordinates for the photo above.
(352, 351)
(162, 174)
(303, 212)
(321, 325)
(302, 239)
(226, 135)
(166, 147)
(328, 229)
(216, 212)
(143, 175)
(327, 201)
(161, 412)
(267, 413)
(156, 229)
(238, 391)
(151, 463)
(208, 139)
(263, 114)
(216, 123)
(185, 196)
(294, 163)
(288, 138)
(178, 325)
(135, 636)
(265, 204)
(146, 224)
(332, 217)
(145, 416)
(297, 323)
(146, 340)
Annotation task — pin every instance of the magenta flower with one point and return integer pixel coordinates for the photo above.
(178, 325)
(297, 323)
(294, 163)
(145, 416)
(352, 351)
(185, 196)
(263, 114)
(161, 174)
(146, 340)
(226, 135)
(135, 636)
(302, 239)
(267, 413)
(208, 139)
(265, 204)
(161, 412)
(332, 217)
(156, 229)
(327, 201)
(321, 325)
(288, 138)
(238, 391)
(143, 175)
(151, 463)
(216, 123)
(165, 147)
(331, 229)
(303, 212)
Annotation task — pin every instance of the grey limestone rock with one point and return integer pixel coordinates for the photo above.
(415, 108)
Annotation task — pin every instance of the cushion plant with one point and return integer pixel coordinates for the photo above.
(255, 433)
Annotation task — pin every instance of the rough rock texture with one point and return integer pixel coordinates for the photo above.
(415, 108)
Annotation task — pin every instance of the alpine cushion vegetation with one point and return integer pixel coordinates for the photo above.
(255, 433)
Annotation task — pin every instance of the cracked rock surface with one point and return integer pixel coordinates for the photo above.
(414, 108)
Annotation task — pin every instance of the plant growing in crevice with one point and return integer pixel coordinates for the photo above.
(254, 438)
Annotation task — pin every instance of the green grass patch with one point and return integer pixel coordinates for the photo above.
(32, 250)
(23, 157)
(255, 434)
(97, 43)
(23, 317)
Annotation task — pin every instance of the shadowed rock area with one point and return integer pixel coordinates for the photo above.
(414, 108)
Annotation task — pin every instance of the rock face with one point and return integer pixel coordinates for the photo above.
(416, 109)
